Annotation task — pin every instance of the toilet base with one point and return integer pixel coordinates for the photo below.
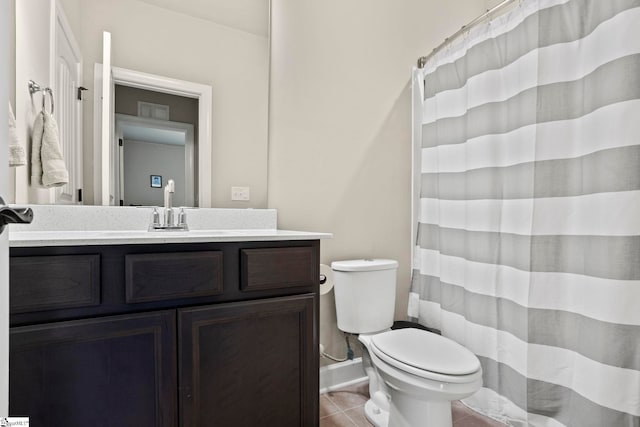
(376, 416)
(431, 414)
(406, 411)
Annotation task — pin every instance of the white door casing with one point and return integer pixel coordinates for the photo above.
(107, 108)
(4, 189)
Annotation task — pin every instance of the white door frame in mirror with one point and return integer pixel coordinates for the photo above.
(156, 83)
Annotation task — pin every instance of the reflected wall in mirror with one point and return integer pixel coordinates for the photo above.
(220, 43)
(191, 103)
(156, 137)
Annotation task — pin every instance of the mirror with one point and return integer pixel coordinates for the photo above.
(223, 44)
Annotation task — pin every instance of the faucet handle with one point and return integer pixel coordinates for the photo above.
(182, 219)
(155, 217)
(155, 220)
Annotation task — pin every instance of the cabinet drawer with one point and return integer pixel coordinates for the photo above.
(41, 283)
(275, 268)
(164, 276)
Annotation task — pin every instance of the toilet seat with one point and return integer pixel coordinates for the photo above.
(426, 355)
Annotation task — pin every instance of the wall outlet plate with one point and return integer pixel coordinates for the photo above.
(240, 193)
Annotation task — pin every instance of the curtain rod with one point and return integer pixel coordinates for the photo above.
(423, 59)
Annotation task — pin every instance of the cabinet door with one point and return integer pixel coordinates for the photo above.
(117, 370)
(249, 364)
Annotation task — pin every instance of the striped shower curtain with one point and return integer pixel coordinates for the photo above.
(527, 155)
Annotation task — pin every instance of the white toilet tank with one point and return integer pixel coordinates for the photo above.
(365, 292)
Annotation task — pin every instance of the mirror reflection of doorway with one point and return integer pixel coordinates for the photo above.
(155, 133)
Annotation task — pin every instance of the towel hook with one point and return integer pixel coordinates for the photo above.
(35, 87)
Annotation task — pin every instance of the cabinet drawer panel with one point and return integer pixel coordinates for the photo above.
(274, 268)
(163, 276)
(41, 283)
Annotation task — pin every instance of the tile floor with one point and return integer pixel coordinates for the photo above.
(345, 408)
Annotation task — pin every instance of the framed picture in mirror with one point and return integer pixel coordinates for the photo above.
(156, 181)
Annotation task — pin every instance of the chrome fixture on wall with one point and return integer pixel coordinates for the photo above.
(35, 87)
(422, 61)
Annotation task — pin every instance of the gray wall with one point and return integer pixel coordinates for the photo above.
(143, 159)
(181, 109)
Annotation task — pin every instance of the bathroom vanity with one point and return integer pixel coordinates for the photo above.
(202, 329)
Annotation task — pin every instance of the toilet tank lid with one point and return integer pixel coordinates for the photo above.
(364, 265)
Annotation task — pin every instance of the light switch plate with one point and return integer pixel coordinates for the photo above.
(240, 193)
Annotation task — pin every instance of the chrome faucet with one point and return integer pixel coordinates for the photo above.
(169, 189)
(169, 216)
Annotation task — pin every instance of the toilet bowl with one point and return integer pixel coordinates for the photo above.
(423, 373)
(413, 374)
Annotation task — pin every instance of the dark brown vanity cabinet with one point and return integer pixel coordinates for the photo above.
(94, 371)
(211, 334)
(267, 383)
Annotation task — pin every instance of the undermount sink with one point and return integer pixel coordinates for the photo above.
(196, 232)
(162, 233)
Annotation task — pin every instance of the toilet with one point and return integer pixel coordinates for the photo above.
(413, 374)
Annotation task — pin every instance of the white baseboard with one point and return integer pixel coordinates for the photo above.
(342, 374)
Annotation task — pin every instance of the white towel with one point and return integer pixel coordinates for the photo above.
(17, 156)
(47, 164)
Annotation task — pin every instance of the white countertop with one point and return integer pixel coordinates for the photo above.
(58, 225)
(135, 237)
